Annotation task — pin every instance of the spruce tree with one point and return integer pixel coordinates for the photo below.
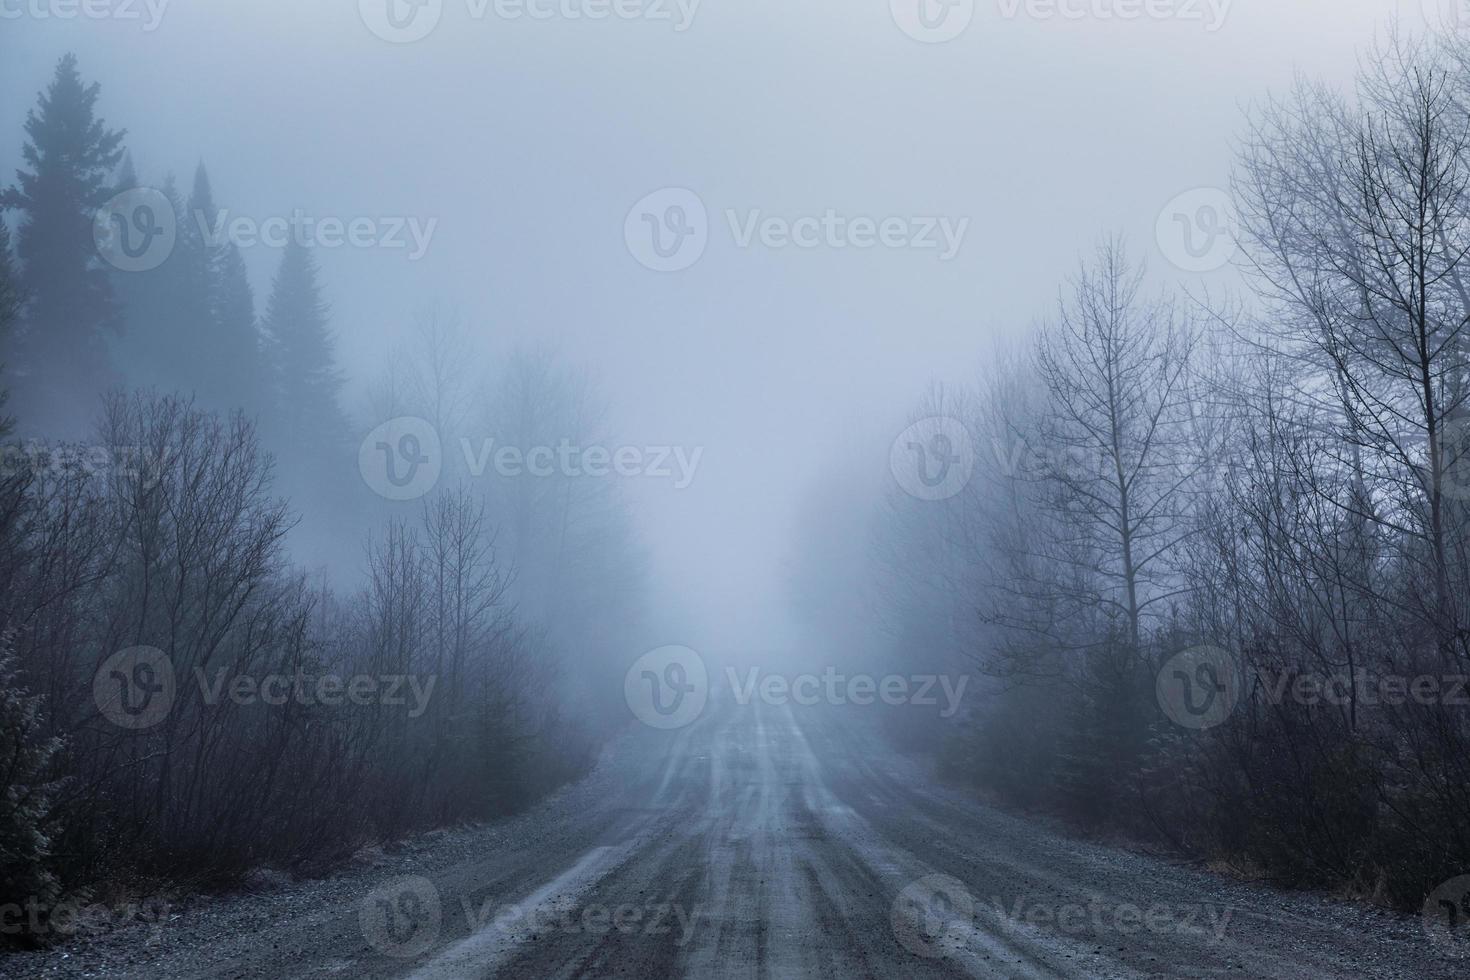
(309, 424)
(228, 371)
(239, 380)
(159, 312)
(69, 156)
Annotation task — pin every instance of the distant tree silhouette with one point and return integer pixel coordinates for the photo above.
(308, 423)
(69, 156)
(227, 373)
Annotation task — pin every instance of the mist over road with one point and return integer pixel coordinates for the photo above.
(765, 841)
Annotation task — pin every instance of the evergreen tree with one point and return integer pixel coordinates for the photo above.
(159, 312)
(69, 155)
(10, 296)
(229, 370)
(10, 306)
(309, 424)
(239, 380)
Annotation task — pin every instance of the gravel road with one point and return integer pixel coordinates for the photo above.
(760, 841)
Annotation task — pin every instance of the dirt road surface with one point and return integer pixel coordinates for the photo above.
(758, 842)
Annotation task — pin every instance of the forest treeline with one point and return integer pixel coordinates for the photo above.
(1215, 556)
(181, 698)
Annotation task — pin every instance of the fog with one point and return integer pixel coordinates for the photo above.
(528, 142)
(909, 488)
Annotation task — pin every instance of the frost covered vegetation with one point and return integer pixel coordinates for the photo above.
(304, 720)
(1282, 479)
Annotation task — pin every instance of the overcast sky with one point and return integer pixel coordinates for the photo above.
(529, 140)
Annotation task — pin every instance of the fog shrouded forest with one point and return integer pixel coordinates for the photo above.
(492, 568)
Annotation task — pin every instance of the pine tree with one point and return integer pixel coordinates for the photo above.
(309, 424)
(10, 306)
(28, 789)
(240, 381)
(159, 312)
(229, 362)
(10, 296)
(70, 155)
